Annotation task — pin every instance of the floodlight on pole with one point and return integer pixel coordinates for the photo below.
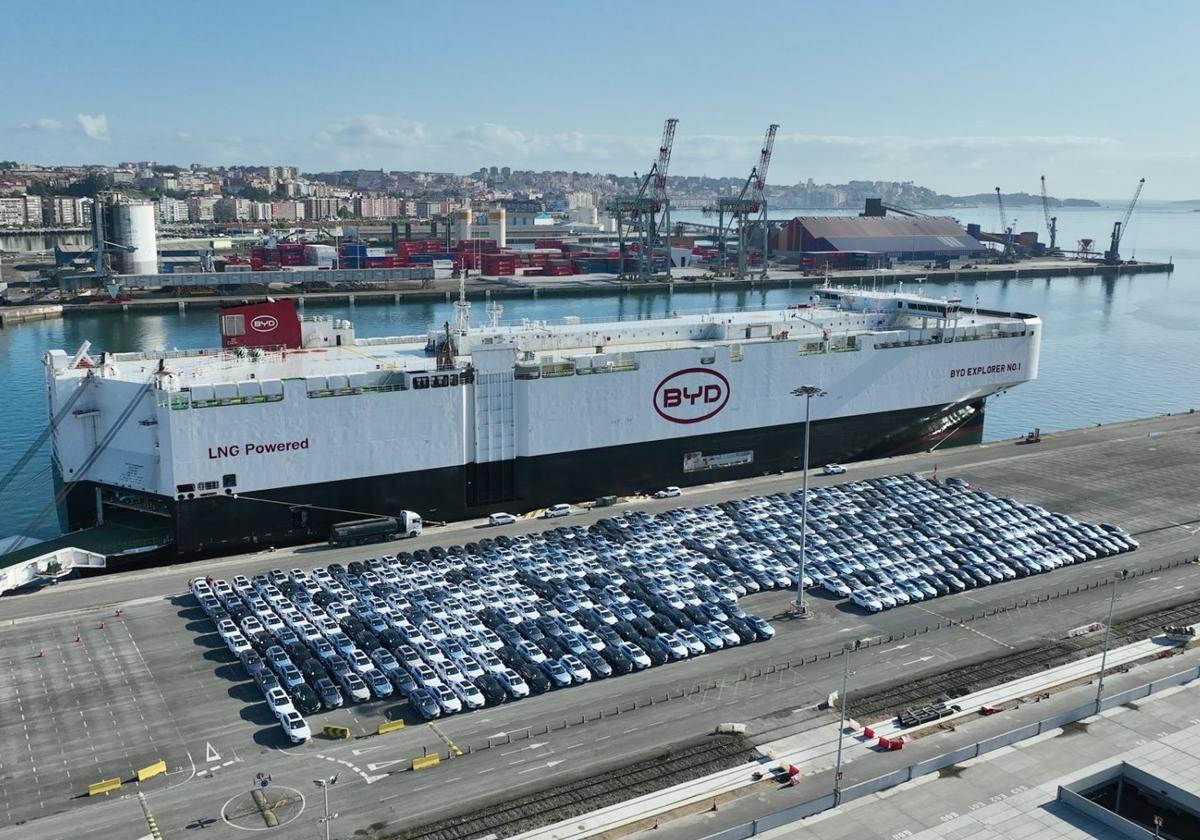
(1112, 602)
(325, 785)
(808, 392)
(837, 770)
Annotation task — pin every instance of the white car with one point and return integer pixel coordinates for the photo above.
(866, 600)
(578, 671)
(447, 699)
(513, 683)
(833, 469)
(694, 645)
(556, 510)
(471, 696)
(360, 662)
(237, 643)
(668, 493)
(354, 687)
(636, 655)
(501, 519)
(295, 727)
(279, 703)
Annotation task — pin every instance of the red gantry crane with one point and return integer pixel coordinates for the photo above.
(648, 212)
(750, 202)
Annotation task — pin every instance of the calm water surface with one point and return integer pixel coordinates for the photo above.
(1113, 348)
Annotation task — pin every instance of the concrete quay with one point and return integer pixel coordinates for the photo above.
(154, 683)
(10, 315)
(685, 279)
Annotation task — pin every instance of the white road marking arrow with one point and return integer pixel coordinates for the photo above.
(522, 749)
(210, 755)
(379, 765)
(545, 766)
(915, 661)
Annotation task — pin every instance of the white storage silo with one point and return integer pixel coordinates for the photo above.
(131, 223)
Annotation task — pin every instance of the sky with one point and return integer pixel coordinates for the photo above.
(957, 96)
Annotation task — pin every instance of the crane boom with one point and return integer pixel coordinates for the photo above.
(1113, 255)
(1051, 222)
(1132, 203)
(664, 157)
(764, 162)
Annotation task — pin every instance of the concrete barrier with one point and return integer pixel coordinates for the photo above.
(390, 726)
(332, 731)
(104, 787)
(155, 769)
(426, 761)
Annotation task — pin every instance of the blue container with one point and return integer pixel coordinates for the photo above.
(421, 259)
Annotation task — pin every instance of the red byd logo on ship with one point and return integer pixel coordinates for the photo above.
(264, 323)
(692, 395)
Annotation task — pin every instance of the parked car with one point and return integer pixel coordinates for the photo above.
(295, 727)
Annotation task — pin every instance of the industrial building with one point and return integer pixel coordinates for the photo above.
(850, 240)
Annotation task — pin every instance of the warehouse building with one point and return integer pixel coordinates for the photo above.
(859, 240)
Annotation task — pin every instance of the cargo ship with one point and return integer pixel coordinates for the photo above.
(294, 423)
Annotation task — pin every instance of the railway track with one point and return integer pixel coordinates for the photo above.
(955, 682)
(582, 796)
(505, 819)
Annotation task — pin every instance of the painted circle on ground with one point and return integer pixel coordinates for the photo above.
(242, 812)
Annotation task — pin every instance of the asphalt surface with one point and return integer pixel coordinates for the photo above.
(155, 683)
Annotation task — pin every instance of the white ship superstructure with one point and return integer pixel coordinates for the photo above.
(270, 445)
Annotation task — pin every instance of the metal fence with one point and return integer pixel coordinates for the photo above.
(931, 765)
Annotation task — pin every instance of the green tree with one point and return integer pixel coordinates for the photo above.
(256, 194)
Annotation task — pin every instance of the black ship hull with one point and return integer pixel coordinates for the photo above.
(225, 524)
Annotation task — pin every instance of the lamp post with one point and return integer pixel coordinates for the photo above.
(808, 392)
(837, 768)
(1120, 576)
(325, 785)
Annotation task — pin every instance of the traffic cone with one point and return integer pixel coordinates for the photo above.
(101, 625)
(714, 807)
(40, 654)
(120, 612)
(78, 638)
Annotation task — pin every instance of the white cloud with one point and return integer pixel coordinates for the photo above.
(373, 130)
(94, 126)
(44, 124)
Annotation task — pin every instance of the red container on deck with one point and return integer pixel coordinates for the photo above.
(267, 324)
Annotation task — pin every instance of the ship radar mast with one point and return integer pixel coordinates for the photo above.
(462, 308)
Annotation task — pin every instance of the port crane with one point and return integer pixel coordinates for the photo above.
(1005, 229)
(1051, 221)
(1113, 255)
(640, 212)
(750, 202)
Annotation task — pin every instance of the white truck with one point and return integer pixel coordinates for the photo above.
(376, 529)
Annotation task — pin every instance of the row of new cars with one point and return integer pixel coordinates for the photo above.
(885, 542)
(457, 628)
(468, 626)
